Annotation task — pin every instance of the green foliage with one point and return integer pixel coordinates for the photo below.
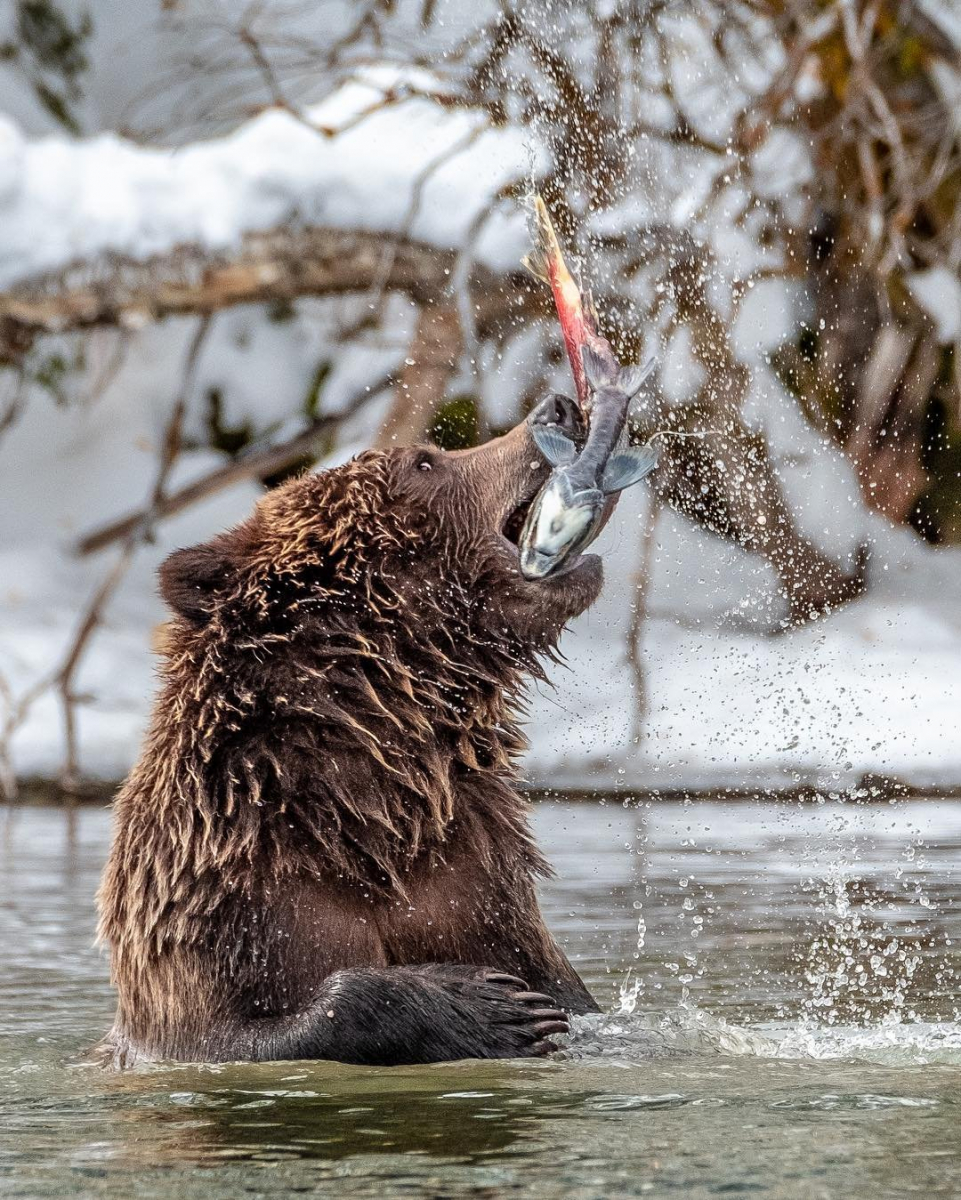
(235, 440)
(280, 311)
(311, 405)
(54, 42)
(457, 425)
(56, 105)
(52, 372)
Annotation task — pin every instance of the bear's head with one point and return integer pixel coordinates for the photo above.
(417, 543)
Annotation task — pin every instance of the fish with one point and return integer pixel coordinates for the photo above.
(569, 510)
(576, 313)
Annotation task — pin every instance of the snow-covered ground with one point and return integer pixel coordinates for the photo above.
(873, 689)
(366, 158)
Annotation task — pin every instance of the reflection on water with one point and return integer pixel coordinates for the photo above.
(782, 992)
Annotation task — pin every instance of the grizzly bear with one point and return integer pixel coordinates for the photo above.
(321, 852)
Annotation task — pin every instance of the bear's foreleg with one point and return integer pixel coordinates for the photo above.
(391, 1016)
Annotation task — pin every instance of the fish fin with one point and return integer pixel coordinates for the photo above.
(556, 446)
(627, 467)
(630, 380)
(599, 369)
(536, 263)
(587, 299)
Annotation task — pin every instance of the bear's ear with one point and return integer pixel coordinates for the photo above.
(189, 579)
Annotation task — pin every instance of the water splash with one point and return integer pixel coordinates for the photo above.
(628, 1037)
(631, 990)
(856, 970)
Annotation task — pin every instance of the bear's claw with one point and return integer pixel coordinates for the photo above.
(526, 997)
(497, 977)
(526, 1020)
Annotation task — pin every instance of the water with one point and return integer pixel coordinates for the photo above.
(783, 989)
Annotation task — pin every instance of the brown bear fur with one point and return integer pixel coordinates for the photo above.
(321, 852)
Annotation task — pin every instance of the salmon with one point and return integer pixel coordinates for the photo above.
(568, 512)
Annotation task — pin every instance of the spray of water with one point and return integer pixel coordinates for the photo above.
(631, 990)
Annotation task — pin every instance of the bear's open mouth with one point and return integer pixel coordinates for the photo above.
(514, 523)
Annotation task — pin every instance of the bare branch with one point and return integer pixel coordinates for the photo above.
(169, 450)
(280, 265)
(261, 463)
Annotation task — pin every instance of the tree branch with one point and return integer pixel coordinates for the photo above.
(282, 264)
(257, 464)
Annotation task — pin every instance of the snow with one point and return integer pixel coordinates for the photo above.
(875, 688)
(938, 292)
(64, 201)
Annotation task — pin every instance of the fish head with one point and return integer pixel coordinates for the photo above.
(561, 414)
(559, 525)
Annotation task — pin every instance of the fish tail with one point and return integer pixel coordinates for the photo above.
(630, 380)
(546, 249)
(536, 263)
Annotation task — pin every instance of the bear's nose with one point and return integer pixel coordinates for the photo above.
(562, 411)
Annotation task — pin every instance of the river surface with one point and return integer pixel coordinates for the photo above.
(782, 995)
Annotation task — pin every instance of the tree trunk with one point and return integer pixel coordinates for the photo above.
(423, 382)
(723, 479)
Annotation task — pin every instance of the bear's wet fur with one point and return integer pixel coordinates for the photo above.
(321, 852)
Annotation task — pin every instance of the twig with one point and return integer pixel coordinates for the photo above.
(259, 463)
(170, 448)
(421, 180)
(64, 680)
(111, 368)
(639, 614)
(11, 408)
(15, 713)
(263, 64)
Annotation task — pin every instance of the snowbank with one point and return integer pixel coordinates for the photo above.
(64, 201)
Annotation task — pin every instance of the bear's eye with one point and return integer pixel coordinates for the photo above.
(425, 464)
